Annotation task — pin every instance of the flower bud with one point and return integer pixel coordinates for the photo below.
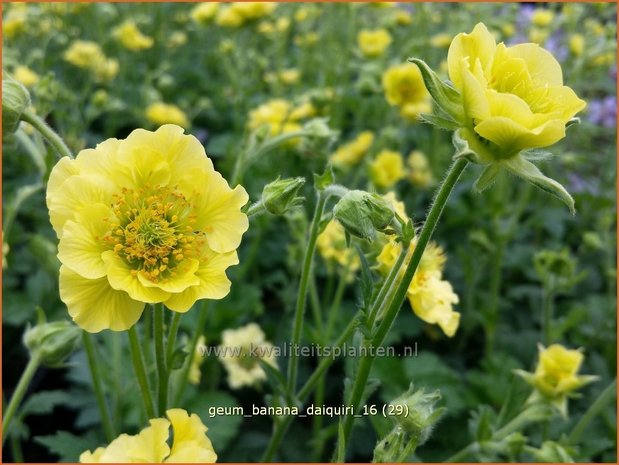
(395, 447)
(280, 195)
(52, 342)
(418, 413)
(15, 100)
(363, 213)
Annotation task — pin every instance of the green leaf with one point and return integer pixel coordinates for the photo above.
(529, 172)
(487, 178)
(44, 402)
(275, 377)
(481, 423)
(66, 445)
(222, 428)
(446, 97)
(322, 181)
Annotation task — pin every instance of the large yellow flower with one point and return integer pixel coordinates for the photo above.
(512, 97)
(142, 220)
(404, 88)
(190, 444)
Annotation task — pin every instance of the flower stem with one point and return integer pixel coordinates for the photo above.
(140, 372)
(176, 321)
(607, 395)
(391, 312)
(160, 358)
(48, 133)
(280, 427)
(199, 329)
(18, 395)
(547, 310)
(95, 372)
(387, 284)
(297, 327)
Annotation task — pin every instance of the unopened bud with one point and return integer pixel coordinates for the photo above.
(416, 413)
(363, 213)
(280, 195)
(52, 342)
(15, 100)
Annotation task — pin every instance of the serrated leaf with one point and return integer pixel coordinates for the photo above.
(487, 178)
(446, 97)
(66, 445)
(529, 172)
(41, 403)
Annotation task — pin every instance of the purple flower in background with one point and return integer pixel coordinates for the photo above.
(603, 111)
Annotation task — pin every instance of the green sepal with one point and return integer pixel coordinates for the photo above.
(529, 172)
(446, 97)
(439, 121)
(487, 177)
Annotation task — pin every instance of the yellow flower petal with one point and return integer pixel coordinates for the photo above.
(81, 245)
(191, 445)
(148, 446)
(120, 278)
(219, 213)
(542, 65)
(94, 305)
(478, 45)
(185, 276)
(214, 283)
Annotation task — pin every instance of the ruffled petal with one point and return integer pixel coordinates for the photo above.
(120, 278)
(191, 445)
(82, 244)
(478, 45)
(95, 306)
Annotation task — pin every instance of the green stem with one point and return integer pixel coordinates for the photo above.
(140, 372)
(256, 209)
(48, 133)
(495, 288)
(160, 358)
(400, 294)
(462, 453)
(297, 327)
(199, 329)
(95, 372)
(280, 427)
(176, 321)
(600, 403)
(18, 395)
(386, 287)
(335, 305)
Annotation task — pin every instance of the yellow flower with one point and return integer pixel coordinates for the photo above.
(387, 169)
(441, 40)
(289, 76)
(556, 375)
(26, 76)
(197, 358)
(351, 153)
(279, 115)
(373, 43)
(604, 59)
(403, 18)
(302, 14)
(513, 97)
(142, 220)
(405, 89)
(204, 12)
(229, 17)
(131, 38)
(332, 247)
(508, 29)
(190, 444)
(538, 36)
(430, 297)
(542, 17)
(14, 23)
(89, 56)
(163, 113)
(577, 44)
(420, 173)
(253, 10)
(241, 351)
(178, 38)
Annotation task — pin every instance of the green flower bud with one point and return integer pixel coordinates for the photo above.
(52, 342)
(280, 195)
(416, 413)
(15, 100)
(396, 447)
(363, 213)
(318, 127)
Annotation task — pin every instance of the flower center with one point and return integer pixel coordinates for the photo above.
(154, 230)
